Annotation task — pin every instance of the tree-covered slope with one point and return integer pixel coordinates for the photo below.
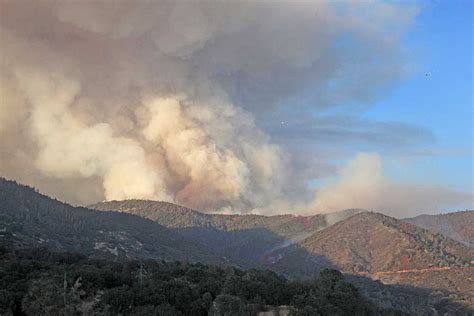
(243, 239)
(172, 215)
(30, 219)
(40, 282)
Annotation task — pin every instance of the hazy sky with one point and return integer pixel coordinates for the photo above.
(268, 107)
(434, 142)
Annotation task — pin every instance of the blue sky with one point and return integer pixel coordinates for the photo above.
(413, 108)
(440, 42)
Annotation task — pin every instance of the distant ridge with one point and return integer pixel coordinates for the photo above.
(361, 243)
(244, 239)
(176, 216)
(457, 225)
(371, 242)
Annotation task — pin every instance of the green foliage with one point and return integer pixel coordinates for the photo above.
(37, 282)
(228, 305)
(330, 294)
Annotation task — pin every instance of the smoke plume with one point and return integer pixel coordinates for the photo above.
(163, 99)
(362, 184)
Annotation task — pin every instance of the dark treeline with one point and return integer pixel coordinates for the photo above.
(39, 282)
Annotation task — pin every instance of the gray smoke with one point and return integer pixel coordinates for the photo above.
(162, 99)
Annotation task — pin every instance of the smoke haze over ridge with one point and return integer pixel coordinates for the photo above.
(166, 100)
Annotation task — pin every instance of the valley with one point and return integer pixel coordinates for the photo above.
(362, 244)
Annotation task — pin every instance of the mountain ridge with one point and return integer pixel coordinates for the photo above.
(245, 239)
(31, 219)
(176, 216)
(456, 225)
(371, 242)
(289, 245)
(271, 237)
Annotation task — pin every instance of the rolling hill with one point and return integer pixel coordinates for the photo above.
(175, 216)
(426, 269)
(243, 239)
(386, 249)
(457, 225)
(368, 243)
(361, 243)
(30, 219)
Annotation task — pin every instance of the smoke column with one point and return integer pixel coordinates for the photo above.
(362, 183)
(163, 99)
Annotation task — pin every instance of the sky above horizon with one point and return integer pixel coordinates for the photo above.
(441, 44)
(435, 96)
(317, 107)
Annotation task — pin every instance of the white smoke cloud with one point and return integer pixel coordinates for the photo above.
(361, 183)
(70, 148)
(162, 99)
(357, 186)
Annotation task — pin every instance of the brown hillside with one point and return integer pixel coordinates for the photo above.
(458, 225)
(372, 242)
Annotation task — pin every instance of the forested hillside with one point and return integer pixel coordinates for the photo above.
(369, 244)
(30, 219)
(248, 240)
(38, 282)
(172, 215)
